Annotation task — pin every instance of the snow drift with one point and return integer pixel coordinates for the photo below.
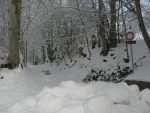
(100, 97)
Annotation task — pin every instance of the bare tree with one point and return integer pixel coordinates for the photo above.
(102, 32)
(141, 23)
(138, 12)
(14, 16)
(112, 34)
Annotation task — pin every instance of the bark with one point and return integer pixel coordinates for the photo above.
(14, 16)
(112, 34)
(43, 55)
(141, 23)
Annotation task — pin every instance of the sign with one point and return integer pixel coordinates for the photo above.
(129, 36)
(130, 42)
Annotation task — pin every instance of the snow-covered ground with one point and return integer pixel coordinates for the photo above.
(16, 85)
(61, 90)
(30, 92)
(142, 72)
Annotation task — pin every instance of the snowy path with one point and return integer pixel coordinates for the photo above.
(17, 85)
(142, 72)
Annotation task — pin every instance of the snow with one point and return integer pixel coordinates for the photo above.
(145, 96)
(72, 97)
(142, 71)
(61, 90)
(29, 91)
(17, 85)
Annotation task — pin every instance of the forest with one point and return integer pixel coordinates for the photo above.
(69, 56)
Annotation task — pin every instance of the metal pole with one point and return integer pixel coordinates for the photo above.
(132, 57)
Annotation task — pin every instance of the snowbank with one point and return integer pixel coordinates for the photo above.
(145, 96)
(71, 97)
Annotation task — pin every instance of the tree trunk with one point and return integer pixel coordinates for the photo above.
(43, 55)
(102, 29)
(112, 34)
(141, 23)
(14, 18)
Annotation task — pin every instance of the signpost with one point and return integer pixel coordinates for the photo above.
(129, 40)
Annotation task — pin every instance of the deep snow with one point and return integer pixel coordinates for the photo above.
(71, 97)
(61, 90)
(142, 72)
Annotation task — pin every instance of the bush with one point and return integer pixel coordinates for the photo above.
(117, 75)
